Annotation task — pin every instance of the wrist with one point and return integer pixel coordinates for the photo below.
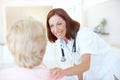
(66, 73)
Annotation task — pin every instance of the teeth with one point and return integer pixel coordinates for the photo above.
(59, 34)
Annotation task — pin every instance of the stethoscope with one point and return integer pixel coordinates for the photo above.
(63, 59)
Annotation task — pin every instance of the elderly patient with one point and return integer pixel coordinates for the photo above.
(26, 40)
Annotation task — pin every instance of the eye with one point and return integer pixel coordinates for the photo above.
(51, 26)
(59, 23)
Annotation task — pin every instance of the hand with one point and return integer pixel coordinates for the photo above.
(56, 74)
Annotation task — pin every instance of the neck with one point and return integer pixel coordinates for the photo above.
(66, 40)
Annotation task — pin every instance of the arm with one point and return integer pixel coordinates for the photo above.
(80, 77)
(57, 73)
(79, 69)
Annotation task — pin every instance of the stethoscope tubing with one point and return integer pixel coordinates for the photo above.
(63, 59)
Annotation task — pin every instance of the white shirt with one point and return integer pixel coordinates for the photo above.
(102, 57)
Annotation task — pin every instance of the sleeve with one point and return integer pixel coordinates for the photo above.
(87, 42)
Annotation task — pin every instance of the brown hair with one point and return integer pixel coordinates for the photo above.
(72, 26)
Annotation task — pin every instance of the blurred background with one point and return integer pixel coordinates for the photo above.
(103, 16)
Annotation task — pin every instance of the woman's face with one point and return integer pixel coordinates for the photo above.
(58, 26)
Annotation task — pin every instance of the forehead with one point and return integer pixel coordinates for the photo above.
(56, 18)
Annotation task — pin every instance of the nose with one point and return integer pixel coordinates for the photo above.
(55, 29)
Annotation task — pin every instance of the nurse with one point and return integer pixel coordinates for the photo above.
(80, 52)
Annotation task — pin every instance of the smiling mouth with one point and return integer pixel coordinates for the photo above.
(58, 34)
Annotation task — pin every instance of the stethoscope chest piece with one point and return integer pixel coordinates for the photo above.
(63, 59)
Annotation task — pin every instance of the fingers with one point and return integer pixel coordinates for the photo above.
(52, 73)
(55, 74)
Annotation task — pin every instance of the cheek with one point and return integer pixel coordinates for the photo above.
(64, 33)
(64, 28)
(52, 30)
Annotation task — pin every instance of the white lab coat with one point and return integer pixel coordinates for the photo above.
(103, 58)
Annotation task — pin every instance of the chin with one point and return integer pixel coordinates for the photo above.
(60, 38)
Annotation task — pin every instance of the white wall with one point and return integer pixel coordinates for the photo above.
(72, 7)
(2, 23)
(91, 17)
(111, 11)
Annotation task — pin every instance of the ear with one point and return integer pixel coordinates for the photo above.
(42, 51)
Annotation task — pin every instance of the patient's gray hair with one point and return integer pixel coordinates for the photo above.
(26, 40)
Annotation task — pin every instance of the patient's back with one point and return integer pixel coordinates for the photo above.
(18, 73)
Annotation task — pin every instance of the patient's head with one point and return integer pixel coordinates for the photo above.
(26, 40)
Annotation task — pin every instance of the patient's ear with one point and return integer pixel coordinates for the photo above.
(42, 51)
